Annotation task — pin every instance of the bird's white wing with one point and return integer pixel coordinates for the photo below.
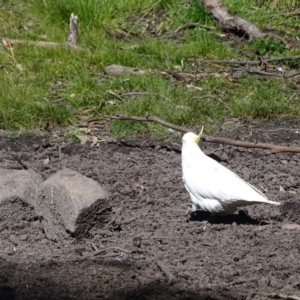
(207, 179)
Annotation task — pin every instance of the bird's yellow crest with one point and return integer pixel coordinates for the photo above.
(198, 137)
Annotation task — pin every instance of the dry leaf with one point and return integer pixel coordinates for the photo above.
(192, 87)
(281, 189)
(139, 185)
(19, 67)
(46, 161)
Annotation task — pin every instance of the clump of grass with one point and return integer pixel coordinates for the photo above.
(58, 85)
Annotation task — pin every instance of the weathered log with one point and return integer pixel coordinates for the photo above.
(231, 23)
(73, 29)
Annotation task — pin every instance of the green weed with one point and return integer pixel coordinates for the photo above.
(57, 85)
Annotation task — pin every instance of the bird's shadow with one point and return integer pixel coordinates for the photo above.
(242, 218)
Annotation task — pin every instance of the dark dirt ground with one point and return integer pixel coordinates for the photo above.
(230, 258)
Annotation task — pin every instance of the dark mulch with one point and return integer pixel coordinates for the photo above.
(235, 257)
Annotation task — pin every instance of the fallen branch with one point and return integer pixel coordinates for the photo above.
(149, 118)
(281, 75)
(232, 23)
(211, 139)
(43, 43)
(71, 43)
(247, 62)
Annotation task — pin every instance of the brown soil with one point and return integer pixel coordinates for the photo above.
(233, 257)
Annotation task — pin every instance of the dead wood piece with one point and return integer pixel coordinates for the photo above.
(247, 62)
(166, 271)
(95, 247)
(43, 43)
(73, 29)
(280, 296)
(290, 226)
(220, 140)
(116, 95)
(144, 94)
(100, 251)
(232, 23)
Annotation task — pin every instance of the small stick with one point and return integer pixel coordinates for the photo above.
(116, 95)
(59, 152)
(95, 247)
(110, 248)
(144, 94)
(21, 163)
(166, 271)
(44, 44)
(247, 62)
(73, 30)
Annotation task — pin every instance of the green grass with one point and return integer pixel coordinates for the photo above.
(41, 85)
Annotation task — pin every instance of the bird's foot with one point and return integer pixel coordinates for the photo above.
(191, 210)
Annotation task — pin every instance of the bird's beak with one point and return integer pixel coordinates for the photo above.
(199, 135)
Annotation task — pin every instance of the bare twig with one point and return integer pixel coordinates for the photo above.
(25, 147)
(21, 163)
(149, 118)
(143, 94)
(95, 247)
(115, 95)
(44, 44)
(166, 271)
(281, 75)
(279, 296)
(100, 251)
(220, 140)
(247, 62)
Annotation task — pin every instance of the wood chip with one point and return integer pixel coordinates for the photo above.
(290, 226)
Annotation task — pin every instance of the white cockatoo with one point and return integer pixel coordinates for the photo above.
(213, 187)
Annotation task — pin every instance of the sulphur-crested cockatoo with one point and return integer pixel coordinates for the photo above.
(213, 187)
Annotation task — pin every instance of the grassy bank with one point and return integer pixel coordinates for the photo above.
(59, 85)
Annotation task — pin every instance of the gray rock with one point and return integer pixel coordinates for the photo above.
(19, 184)
(71, 203)
(19, 191)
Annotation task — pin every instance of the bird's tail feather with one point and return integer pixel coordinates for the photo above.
(273, 202)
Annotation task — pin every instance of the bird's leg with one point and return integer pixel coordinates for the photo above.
(192, 209)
